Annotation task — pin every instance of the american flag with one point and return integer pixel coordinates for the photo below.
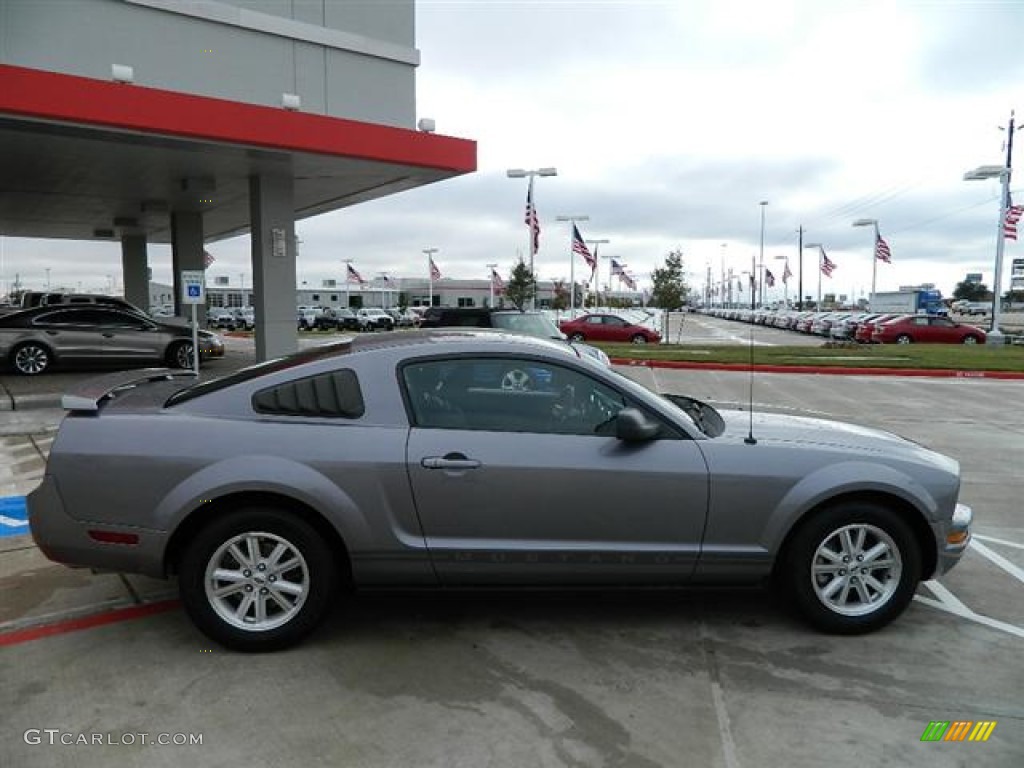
(786, 274)
(353, 275)
(532, 221)
(827, 265)
(1013, 214)
(435, 273)
(882, 252)
(208, 259)
(580, 247)
(628, 280)
(496, 282)
(618, 269)
(769, 278)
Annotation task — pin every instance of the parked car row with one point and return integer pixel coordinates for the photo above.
(864, 327)
(364, 319)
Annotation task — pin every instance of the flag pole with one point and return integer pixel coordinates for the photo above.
(874, 262)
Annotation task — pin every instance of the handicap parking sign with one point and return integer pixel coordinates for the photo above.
(193, 284)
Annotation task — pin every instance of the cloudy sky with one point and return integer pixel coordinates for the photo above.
(669, 122)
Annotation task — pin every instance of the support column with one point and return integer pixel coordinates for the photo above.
(272, 220)
(135, 270)
(187, 254)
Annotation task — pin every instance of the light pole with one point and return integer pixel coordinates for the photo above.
(821, 249)
(760, 287)
(874, 256)
(531, 218)
(1001, 172)
(572, 257)
(430, 274)
(490, 280)
(47, 278)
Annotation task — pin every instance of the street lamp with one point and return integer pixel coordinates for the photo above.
(1003, 174)
(430, 274)
(760, 287)
(531, 210)
(821, 249)
(572, 258)
(874, 255)
(490, 280)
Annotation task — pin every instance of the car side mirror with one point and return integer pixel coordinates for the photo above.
(632, 426)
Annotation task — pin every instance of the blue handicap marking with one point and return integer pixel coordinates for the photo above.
(193, 291)
(13, 516)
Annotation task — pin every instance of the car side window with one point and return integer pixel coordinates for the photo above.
(510, 395)
(595, 320)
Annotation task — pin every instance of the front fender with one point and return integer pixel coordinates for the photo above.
(842, 479)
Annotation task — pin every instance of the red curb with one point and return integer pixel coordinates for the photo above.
(19, 636)
(834, 370)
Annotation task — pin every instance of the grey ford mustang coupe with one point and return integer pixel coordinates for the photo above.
(458, 458)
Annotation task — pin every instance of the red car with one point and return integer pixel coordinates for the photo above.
(867, 327)
(926, 329)
(607, 328)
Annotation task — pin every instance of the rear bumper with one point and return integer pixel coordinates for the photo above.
(66, 540)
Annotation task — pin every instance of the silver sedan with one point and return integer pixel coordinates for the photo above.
(476, 458)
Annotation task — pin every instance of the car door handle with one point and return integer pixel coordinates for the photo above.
(52, 333)
(108, 335)
(449, 461)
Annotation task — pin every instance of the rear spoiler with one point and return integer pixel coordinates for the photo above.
(88, 396)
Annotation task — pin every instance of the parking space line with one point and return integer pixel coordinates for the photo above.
(19, 636)
(997, 559)
(949, 602)
(994, 540)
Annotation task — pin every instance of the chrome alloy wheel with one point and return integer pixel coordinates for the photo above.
(856, 569)
(183, 355)
(257, 581)
(31, 359)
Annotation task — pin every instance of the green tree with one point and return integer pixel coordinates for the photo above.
(561, 300)
(521, 287)
(970, 291)
(670, 288)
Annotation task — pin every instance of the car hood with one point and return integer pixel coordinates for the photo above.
(785, 428)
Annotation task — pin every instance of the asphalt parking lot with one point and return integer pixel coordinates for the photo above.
(701, 678)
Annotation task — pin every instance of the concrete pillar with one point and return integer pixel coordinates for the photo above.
(135, 270)
(187, 254)
(272, 221)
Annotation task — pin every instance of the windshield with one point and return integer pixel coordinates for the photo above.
(527, 323)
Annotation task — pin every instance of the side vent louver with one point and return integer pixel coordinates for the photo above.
(334, 395)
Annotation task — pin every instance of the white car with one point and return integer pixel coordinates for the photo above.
(374, 319)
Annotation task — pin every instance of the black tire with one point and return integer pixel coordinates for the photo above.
(971, 339)
(179, 355)
(815, 542)
(577, 337)
(315, 571)
(31, 358)
(904, 338)
(638, 338)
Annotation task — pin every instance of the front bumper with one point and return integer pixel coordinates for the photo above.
(953, 538)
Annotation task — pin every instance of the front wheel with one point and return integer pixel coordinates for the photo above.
(852, 568)
(31, 359)
(970, 339)
(639, 338)
(258, 579)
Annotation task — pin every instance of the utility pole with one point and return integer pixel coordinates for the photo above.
(800, 270)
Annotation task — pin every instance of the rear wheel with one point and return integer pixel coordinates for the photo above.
(31, 358)
(852, 568)
(179, 354)
(576, 337)
(903, 339)
(258, 579)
